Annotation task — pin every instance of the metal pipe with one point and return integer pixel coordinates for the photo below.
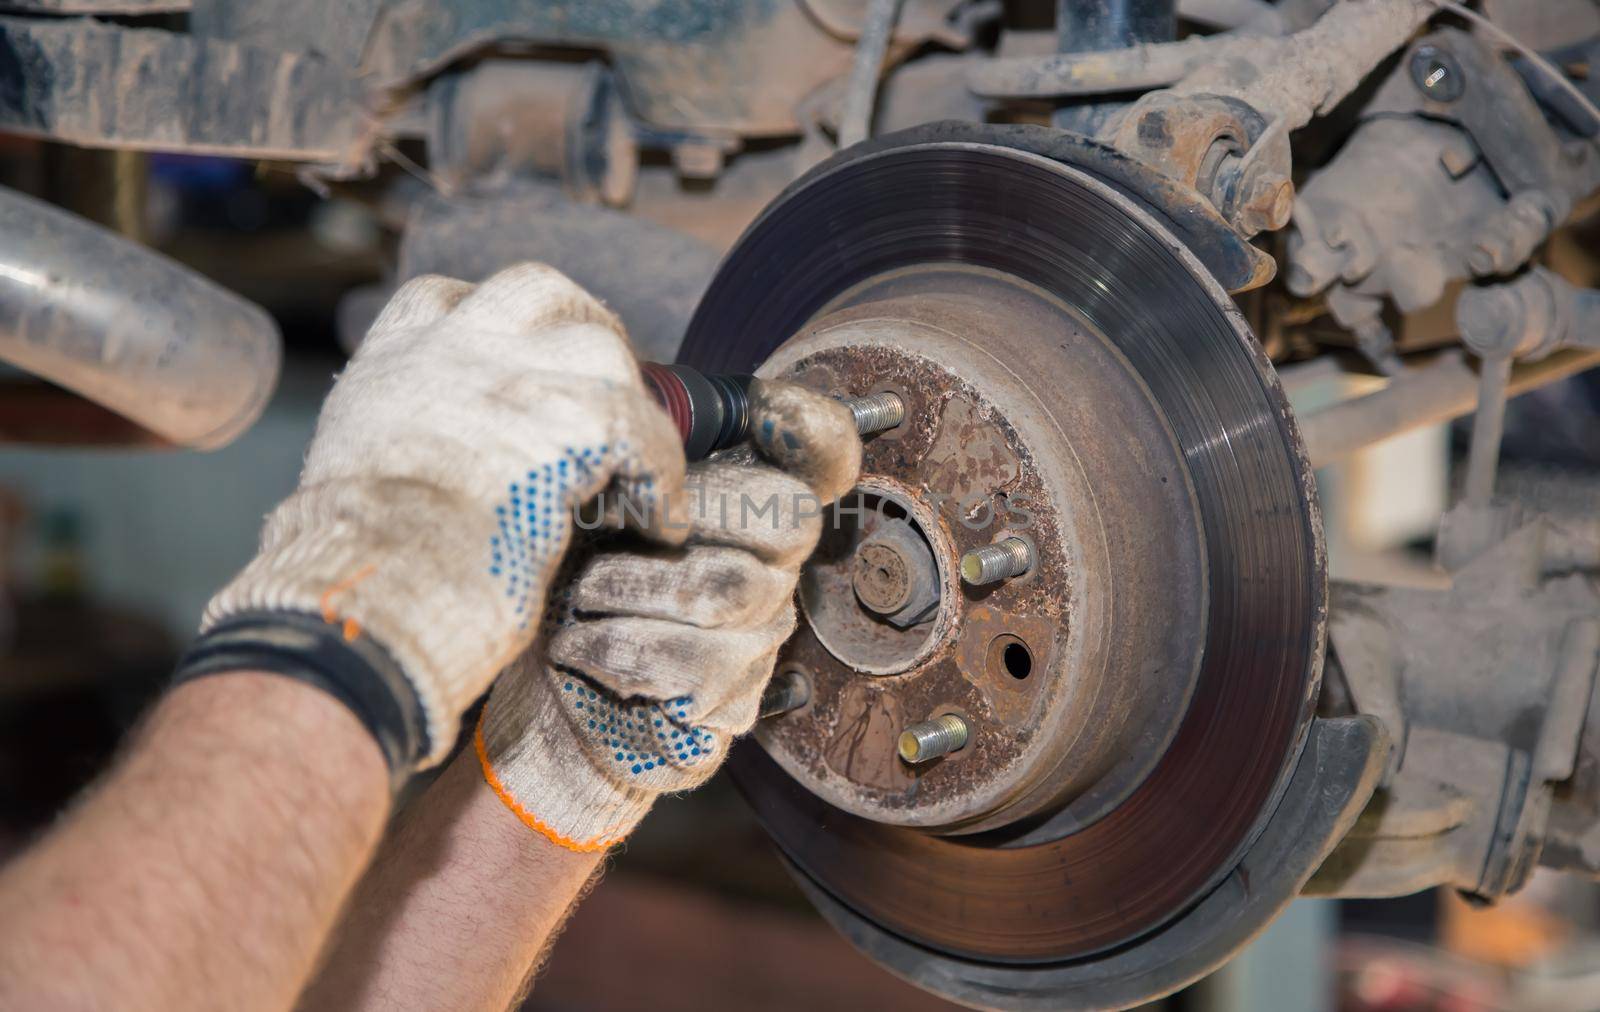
(1427, 395)
(1065, 75)
(1300, 376)
(1483, 456)
(129, 329)
(1143, 65)
(861, 94)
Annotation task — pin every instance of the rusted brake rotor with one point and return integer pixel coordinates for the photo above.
(1138, 699)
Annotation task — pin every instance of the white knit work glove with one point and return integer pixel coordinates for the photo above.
(438, 494)
(651, 660)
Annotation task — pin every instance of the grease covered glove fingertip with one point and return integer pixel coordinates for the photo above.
(807, 434)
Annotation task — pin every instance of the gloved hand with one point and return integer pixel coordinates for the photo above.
(437, 500)
(652, 659)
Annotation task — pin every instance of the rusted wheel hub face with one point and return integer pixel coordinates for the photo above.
(1021, 422)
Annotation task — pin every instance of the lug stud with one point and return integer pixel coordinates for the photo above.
(1002, 560)
(931, 739)
(876, 412)
(788, 690)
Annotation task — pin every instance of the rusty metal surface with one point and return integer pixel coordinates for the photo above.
(1089, 475)
(724, 66)
(701, 75)
(99, 85)
(1152, 65)
(1183, 136)
(733, 65)
(1224, 128)
(651, 275)
(1142, 864)
(123, 7)
(499, 120)
(334, 31)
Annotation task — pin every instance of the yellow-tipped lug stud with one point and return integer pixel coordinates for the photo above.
(931, 739)
(1002, 560)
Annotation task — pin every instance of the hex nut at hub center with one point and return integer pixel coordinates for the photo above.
(896, 575)
(882, 580)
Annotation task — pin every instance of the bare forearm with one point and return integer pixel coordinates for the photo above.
(458, 908)
(209, 865)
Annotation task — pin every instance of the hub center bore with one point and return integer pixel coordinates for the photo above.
(875, 592)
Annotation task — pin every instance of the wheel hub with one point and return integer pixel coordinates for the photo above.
(1070, 678)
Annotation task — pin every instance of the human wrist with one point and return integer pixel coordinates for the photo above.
(533, 761)
(294, 738)
(356, 672)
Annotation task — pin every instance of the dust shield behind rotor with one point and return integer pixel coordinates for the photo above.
(1188, 825)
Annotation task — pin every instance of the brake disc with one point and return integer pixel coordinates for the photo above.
(1136, 703)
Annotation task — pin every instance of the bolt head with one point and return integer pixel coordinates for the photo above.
(882, 577)
(1268, 203)
(1491, 320)
(1282, 204)
(1436, 73)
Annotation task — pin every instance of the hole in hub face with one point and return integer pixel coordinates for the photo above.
(873, 589)
(1019, 663)
(1010, 656)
